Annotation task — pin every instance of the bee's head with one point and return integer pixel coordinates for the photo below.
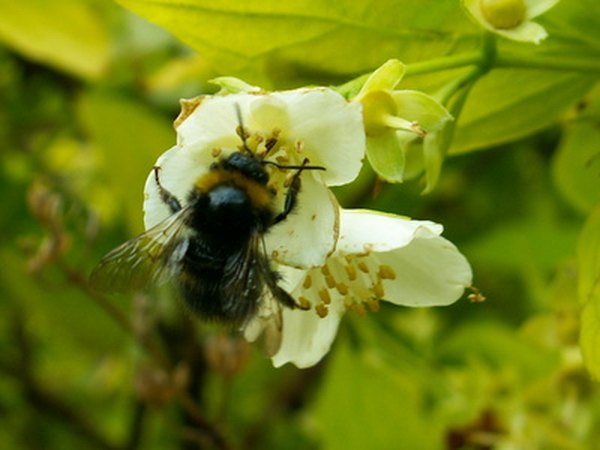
(248, 165)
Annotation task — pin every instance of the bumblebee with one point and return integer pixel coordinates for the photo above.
(211, 247)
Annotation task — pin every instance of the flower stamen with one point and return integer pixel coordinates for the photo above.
(386, 272)
(307, 282)
(324, 296)
(321, 310)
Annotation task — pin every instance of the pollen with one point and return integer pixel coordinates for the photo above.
(342, 288)
(282, 159)
(304, 302)
(386, 272)
(355, 282)
(373, 304)
(351, 272)
(321, 310)
(330, 281)
(307, 282)
(324, 296)
(359, 308)
(362, 266)
(216, 152)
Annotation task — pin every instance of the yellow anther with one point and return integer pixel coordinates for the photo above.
(307, 282)
(348, 301)
(386, 272)
(321, 310)
(351, 272)
(362, 266)
(304, 302)
(342, 288)
(325, 270)
(330, 281)
(359, 309)
(216, 152)
(282, 159)
(373, 304)
(324, 296)
(378, 290)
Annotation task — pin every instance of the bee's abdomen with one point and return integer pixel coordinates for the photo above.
(204, 284)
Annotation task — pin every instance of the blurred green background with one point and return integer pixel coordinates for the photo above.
(88, 93)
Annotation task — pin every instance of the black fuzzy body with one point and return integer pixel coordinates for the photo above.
(223, 270)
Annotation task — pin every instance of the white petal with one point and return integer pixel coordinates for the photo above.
(362, 231)
(306, 337)
(179, 168)
(328, 127)
(538, 7)
(331, 131)
(214, 121)
(429, 271)
(526, 32)
(308, 235)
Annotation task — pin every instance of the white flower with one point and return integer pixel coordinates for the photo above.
(511, 18)
(331, 260)
(315, 124)
(378, 257)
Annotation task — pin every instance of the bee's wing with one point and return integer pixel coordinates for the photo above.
(145, 259)
(267, 321)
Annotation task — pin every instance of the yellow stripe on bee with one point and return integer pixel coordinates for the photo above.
(259, 195)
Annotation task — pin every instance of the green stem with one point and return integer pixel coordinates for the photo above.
(499, 59)
(588, 65)
(445, 63)
(448, 91)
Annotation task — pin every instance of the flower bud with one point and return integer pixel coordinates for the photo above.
(503, 14)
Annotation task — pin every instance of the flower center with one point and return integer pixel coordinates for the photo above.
(503, 14)
(354, 281)
(271, 147)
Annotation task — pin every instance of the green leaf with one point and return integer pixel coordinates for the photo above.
(575, 22)
(498, 346)
(530, 242)
(588, 263)
(508, 104)
(66, 34)
(576, 165)
(270, 38)
(364, 403)
(130, 137)
(589, 338)
(588, 259)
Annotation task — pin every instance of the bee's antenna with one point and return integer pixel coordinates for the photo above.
(301, 167)
(240, 130)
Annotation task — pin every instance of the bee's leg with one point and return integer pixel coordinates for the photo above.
(168, 199)
(291, 197)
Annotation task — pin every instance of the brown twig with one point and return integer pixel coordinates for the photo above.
(288, 398)
(44, 401)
